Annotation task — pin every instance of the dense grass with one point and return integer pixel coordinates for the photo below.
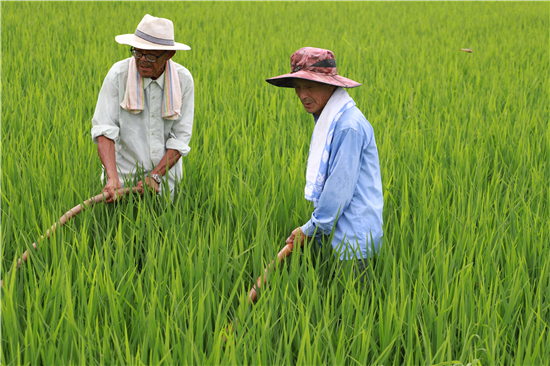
(464, 144)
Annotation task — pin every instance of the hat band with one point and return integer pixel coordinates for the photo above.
(164, 42)
(329, 62)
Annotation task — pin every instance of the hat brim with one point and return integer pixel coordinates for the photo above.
(286, 80)
(132, 40)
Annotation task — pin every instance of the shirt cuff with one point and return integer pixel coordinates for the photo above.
(309, 229)
(181, 147)
(111, 132)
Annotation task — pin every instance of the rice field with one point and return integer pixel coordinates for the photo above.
(464, 144)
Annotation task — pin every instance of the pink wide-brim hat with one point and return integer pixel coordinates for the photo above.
(153, 33)
(315, 64)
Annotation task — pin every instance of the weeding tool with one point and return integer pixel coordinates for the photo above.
(72, 213)
(253, 294)
(285, 252)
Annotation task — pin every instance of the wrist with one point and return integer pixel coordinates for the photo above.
(308, 229)
(112, 179)
(156, 177)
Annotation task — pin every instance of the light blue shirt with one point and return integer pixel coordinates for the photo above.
(351, 201)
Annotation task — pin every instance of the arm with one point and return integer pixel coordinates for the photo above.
(180, 133)
(105, 131)
(340, 185)
(166, 163)
(106, 152)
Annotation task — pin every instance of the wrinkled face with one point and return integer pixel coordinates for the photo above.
(148, 69)
(313, 95)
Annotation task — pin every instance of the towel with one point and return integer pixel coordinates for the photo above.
(171, 99)
(321, 141)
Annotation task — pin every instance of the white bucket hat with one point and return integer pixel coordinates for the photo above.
(153, 33)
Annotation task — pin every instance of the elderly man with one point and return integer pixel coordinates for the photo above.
(144, 113)
(343, 170)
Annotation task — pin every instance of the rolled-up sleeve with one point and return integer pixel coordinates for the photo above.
(105, 120)
(181, 131)
(340, 184)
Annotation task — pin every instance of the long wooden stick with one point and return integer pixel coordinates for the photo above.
(285, 252)
(72, 213)
(253, 295)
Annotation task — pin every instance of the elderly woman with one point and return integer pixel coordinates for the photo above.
(343, 170)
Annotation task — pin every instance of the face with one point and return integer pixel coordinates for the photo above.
(313, 95)
(149, 69)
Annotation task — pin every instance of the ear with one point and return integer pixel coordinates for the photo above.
(170, 55)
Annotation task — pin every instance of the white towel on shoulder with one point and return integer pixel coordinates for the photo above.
(171, 97)
(321, 141)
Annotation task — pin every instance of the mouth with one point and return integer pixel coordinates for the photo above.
(143, 67)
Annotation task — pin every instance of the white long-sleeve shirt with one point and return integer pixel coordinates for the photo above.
(141, 140)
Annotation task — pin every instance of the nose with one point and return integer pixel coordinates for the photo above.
(301, 93)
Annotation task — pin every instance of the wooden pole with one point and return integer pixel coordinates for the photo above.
(102, 197)
(283, 253)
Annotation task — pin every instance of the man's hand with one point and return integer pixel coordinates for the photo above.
(298, 236)
(111, 188)
(149, 182)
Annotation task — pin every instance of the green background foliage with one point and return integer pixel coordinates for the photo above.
(464, 145)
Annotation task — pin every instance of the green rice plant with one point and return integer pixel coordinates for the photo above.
(464, 145)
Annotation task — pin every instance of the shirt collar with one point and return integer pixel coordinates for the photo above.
(159, 81)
